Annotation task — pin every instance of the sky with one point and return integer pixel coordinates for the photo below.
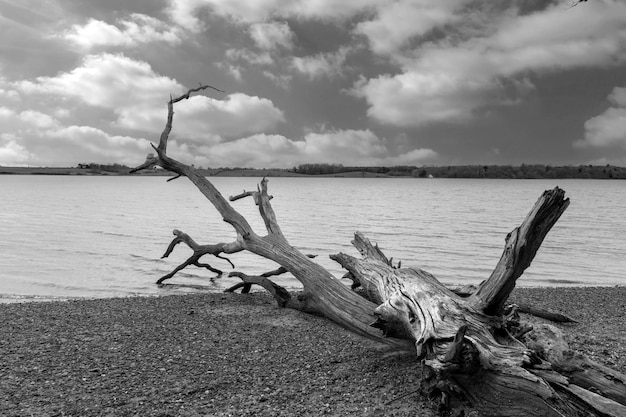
(352, 82)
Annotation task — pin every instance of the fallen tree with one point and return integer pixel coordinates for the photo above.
(474, 349)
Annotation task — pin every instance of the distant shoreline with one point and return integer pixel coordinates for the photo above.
(161, 173)
(464, 171)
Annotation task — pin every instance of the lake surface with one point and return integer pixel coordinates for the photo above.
(65, 237)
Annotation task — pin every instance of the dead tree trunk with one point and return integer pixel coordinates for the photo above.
(473, 350)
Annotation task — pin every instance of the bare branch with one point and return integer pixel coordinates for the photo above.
(195, 90)
(248, 281)
(467, 290)
(520, 249)
(170, 114)
(366, 249)
(575, 3)
(161, 149)
(267, 211)
(262, 200)
(174, 178)
(280, 294)
(226, 259)
(243, 194)
(254, 194)
(171, 246)
(198, 252)
(545, 314)
(192, 260)
(150, 161)
(209, 267)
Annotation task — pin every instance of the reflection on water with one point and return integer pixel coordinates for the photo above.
(104, 236)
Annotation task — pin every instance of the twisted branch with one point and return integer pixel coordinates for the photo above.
(323, 293)
(198, 252)
(170, 114)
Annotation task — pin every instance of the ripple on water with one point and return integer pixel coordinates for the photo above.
(104, 236)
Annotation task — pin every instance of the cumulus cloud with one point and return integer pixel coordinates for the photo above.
(108, 80)
(281, 80)
(89, 144)
(136, 29)
(38, 120)
(414, 98)
(262, 58)
(13, 121)
(323, 64)
(609, 128)
(12, 153)
(128, 88)
(236, 115)
(185, 12)
(348, 147)
(420, 62)
(233, 70)
(397, 23)
(114, 93)
(272, 35)
(486, 58)
(138, 96)
(9, 94)
(618, 96)
(34, 138)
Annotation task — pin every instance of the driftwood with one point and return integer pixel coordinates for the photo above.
(475, 351)
(468, 290)
(198, 252)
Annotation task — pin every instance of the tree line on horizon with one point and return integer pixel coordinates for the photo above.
(524, 171)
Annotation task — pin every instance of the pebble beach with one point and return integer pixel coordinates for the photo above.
(236, 355)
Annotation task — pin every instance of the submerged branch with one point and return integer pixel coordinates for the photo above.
(198, 252)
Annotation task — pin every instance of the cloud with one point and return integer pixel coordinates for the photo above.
(108, 80)
(270, 36)
(236, 115)
(136, 29)
(485, 58)
(34, 138)
(281, 80)
(12, 153)
(91, 144)
(233, 70)
(28, 119)
(397, 23)
(185, 12)
(609, 128)
(552, 40)
(348, 147)
(127, 88)
(9, 93)
(322, 64)
(618, 96)
(414, 98)
(262, 58)
(138, 96)
(70, 117)
(38, 120)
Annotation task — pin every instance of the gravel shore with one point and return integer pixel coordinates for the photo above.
(235, 355)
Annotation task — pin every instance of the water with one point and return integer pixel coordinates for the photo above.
(66, 237)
